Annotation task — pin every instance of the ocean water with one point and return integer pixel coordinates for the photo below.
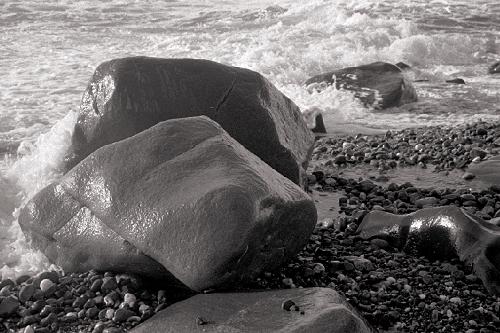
(50, 48)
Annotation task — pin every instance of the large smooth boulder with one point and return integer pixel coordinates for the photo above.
(325, 311)
(181, 197)
(442, 233)
(126, 96)
(379, 84)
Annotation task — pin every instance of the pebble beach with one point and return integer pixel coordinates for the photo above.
(408, 133)
(395, 291)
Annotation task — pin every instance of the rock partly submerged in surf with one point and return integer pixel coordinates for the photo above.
(441, 233)
(494, 68)
(181, 198)
(314, 310)
(314, 120)
(378, 84)
(319, 125)
(126, 96)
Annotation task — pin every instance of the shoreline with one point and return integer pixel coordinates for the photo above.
(387, 289)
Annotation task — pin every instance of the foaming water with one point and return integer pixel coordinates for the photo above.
(49, 51)
(39, 163)
(36, 165)
(286, 41)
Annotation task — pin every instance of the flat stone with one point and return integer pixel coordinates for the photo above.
(324, 310)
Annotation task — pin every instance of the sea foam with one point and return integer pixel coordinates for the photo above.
(37, 165)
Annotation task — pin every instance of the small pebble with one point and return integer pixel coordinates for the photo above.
(29, 329)
(46, 285)
(287, 305)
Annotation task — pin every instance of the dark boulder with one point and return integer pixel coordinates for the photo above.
(495, 68)
(442, 233)
(379, 84)
(324, 310)
(181, 198)
(126, 96)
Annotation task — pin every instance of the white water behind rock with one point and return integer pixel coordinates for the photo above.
(50, 49)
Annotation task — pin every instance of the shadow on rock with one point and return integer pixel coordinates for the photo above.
(440, 233)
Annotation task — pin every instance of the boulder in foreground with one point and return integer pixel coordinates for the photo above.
(441, 233)
(378, 84)
(126, 96)
(325, 311)
(181, 198)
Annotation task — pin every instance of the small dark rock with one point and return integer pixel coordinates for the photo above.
(456, 81)
(26, 293)
(23, 278)
(8, 306)
(108, 284)
(51, 318)
(340, 159)
(7, 282)
(468, 176)
(287, 305)
(122, 315)
(96, 285)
